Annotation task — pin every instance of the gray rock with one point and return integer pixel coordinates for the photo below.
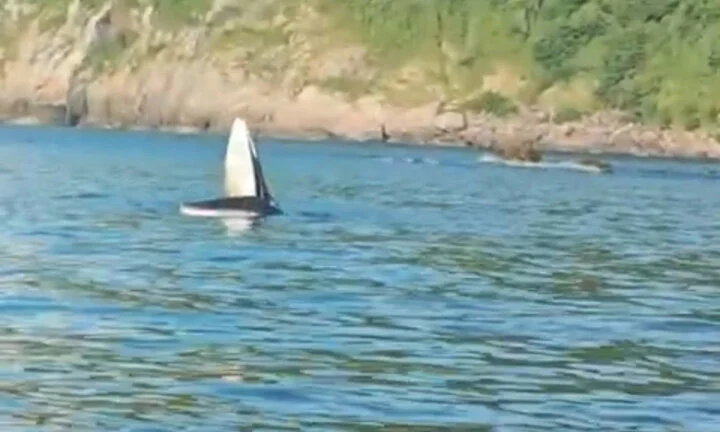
(49, 113)
(76, 102)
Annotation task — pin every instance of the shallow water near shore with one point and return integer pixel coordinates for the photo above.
(404, 288)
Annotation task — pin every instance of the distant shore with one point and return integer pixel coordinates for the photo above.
(111, 66)
(599, 134)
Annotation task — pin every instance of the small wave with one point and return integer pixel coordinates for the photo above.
(410, 160)
(678, 174)
(569, 165)
(84, 195)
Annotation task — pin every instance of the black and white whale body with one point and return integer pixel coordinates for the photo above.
(247, 192)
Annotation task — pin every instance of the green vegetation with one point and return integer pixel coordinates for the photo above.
(564, 115)
(659, 60)
(106, 53)
(177, 13)
(491, 102)
(352, 87)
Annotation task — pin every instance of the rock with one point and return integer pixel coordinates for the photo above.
(622, 138)
(450, 122)
(415, 124)
(541, 116)
(523, 151)
(19, 108)
(478, 136)
(49, 114)
(568, 130)
(76, 103)
(24, 112)
(348, 62)
(384, 137)
(601, 165)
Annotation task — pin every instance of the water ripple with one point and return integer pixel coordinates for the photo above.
(431, 293)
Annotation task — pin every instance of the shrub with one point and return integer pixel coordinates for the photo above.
(491, 102)
(568, 114)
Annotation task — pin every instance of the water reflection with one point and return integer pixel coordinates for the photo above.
(238, 226)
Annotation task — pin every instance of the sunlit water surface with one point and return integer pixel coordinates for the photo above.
(404, 289)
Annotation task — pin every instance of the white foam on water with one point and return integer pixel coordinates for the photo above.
(410, 160)
(236, 226)
(235, 221)
(567, 165)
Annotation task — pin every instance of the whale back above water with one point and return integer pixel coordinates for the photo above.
(246, 190)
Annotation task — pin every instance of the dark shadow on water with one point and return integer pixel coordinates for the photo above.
(316, 216)
(84, 195)
(707, 174)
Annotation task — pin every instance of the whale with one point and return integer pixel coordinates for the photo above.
(247, 193)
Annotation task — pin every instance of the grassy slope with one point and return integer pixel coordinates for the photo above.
(659, 60)
(656, 59)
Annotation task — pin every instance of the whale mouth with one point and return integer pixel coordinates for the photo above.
(247, 194)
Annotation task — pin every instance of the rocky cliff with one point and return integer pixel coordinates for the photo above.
(281, 65)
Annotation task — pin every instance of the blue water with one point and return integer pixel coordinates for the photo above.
(405, 289)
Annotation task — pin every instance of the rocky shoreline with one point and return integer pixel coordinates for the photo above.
(601, 133)
(86, 72)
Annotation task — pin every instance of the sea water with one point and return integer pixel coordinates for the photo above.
(404, 289)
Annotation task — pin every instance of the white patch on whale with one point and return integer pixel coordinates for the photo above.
(240, 157)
